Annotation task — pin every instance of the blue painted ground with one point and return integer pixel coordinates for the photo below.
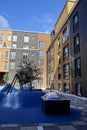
(25, 107)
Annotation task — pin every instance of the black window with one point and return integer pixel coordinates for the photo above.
(66, 71)
(76, 44)
(78, 67)
(75, 22)
(78, 89)
(59, 87)
(59, 73)
(65, 52)
(65, 34)
(66, 87)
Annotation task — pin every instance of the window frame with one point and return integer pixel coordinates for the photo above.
(75, 25)
(76, 46)
(77, 69)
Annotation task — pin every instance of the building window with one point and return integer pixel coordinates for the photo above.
(40, 81)
(14, 46)
(75, 22)
(65, 52)
(66, 87)
(41, 44)
(25, 55)
(26, 38)
(25, 46)
(6, 65)
(9, 37)
(14, 38)
(32, 47)
(59, 87)
(78, 89)
(6, 54)
(41, 53)
(40, 62)
(13, 55)
(12, 65)
(33, 54)
(1, 45)
(1, 37)
(8, 45)
(76, 44)
(78, 67)
(59, 73)
(40, 72)
(65, 34)
(66, 71)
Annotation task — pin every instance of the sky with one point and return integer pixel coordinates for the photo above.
(30, 15)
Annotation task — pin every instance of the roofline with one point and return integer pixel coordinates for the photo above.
(52, 42)
(25, 31)
(63, 10)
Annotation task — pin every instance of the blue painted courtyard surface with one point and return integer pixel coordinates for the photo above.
(25, 107)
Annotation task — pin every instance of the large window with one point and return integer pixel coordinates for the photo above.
(6, 65)
(6, 54)
(40, 72)
(59, 73)
(14, 45)
(75, 22)
(65, 52)
(78, 89)
(1, 37)
(13, 55)
(41, 53)
(14, 38)
(65, 34)
(8, 45)
(59, 87)
(9, 37)
(32, 47)
(78, 67)
(12, 65)
(25, 55)
(41, 44)
(25, 46)
(66, 87)
(76, 44)
(1, 45)
(40, 62)
(66, 71)
(26, 38)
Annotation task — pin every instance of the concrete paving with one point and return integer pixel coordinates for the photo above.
(80, 124)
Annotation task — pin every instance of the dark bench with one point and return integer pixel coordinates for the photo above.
(55, 106)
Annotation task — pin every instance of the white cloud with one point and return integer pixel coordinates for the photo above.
(4, 24)
(47, 21)
(45, 18)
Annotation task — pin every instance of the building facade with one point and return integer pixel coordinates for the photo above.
(78, 33)
(70, 49)
(18, 45)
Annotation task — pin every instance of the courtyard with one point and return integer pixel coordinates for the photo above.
(79, 103)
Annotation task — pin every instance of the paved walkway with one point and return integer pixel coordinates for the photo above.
(79, 124)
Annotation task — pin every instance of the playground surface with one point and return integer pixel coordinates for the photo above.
(78, 103)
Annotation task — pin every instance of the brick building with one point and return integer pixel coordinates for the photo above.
(18, 45)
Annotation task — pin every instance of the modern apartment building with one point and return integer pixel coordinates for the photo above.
(18, 45)
(69, 43)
